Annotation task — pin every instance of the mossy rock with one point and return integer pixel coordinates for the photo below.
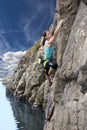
(33, 49)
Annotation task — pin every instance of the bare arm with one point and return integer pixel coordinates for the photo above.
(56, 32)
(58, 28)
(41, 42)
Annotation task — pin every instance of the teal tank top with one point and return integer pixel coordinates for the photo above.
(48, 51)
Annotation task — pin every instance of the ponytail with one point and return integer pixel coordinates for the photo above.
(44, 39)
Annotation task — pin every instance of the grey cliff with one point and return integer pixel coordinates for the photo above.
(65, 102)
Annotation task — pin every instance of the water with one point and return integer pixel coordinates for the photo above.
(18, 115)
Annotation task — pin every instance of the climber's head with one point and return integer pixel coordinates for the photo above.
(47, 35)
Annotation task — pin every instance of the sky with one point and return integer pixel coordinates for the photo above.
(23, 21)
(21, 25)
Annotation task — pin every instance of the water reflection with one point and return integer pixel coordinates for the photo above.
(26, 116)
(6, 113)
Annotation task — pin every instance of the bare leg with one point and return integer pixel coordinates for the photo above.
(51, 71)
(49, 80)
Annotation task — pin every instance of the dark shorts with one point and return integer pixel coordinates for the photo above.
(50, 64)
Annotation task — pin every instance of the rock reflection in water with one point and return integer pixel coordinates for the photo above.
(26, 116)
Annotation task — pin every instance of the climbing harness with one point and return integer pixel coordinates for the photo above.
(40, 60)
(43, 60)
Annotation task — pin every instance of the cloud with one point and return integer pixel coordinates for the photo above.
(12, 55)
(9, 62)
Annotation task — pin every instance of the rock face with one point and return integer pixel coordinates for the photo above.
(65, 102)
